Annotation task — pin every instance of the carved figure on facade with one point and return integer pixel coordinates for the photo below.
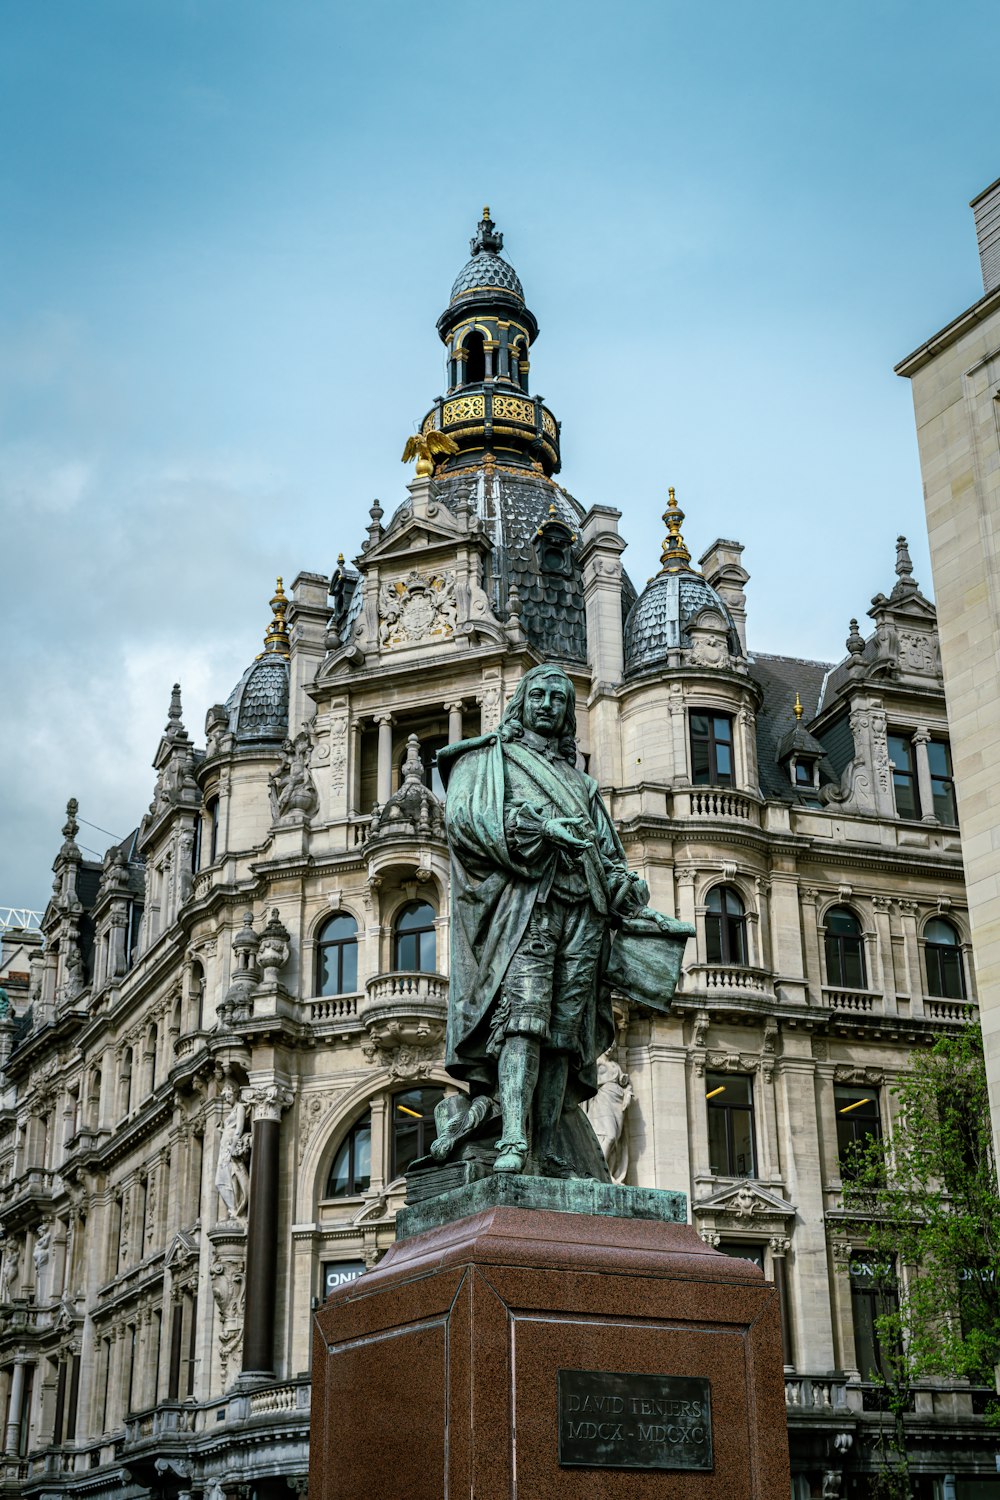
(417, 608)
(606, 1111)
(291, 787)
(232, 1177)
(10, 1268)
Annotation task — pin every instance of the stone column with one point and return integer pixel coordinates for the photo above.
(810, 942)
(384, 792)
(779, 1247)
(911, 949)
(882, 907)
(262, 1237)
(454, 721)
(921, 740)
(14, 1409)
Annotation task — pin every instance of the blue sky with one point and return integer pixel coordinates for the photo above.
(228, 229)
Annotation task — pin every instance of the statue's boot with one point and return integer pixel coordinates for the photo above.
(518, 1075)
(550, 1096)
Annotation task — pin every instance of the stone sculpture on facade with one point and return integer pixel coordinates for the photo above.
(232, 1179)
(546, 918)
(606, 1112)
(10, 1269)
(291, 788)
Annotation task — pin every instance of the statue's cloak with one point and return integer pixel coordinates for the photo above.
(494, 887)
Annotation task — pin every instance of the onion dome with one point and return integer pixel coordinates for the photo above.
(661, 618)
(258, 705)
(487, 270)
(489, 331)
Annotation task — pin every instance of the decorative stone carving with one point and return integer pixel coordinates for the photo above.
(275, 948)
(267, 1101)
(291, 788)
(232, 1176)
(861, 1077)
(413, 811)
(228, 1278)
(607, 1114)
(417, 608)
(408, 1047)
(10, 1268)
(238, 1003)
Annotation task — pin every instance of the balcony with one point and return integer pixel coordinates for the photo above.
(404, 1015)
(717, 804)
(728, 982)
(869, 1002)
(821, 1395)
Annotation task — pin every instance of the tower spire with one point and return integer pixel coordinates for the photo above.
(276, 639)
(675, 556)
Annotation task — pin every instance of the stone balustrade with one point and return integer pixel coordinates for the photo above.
(407, 988)
(852, 1000)
(736, 981)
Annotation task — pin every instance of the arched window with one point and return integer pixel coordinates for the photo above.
(152, 1042)
(337, 957)
(125, 1083)
(414, 943)
(725, 927)
(210, 846)
(351, 1172)
(945, 975)
(413, 1126)
(475, 364)
(845, 950)
(521, 355)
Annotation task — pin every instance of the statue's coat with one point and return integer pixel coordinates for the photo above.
(495, 887)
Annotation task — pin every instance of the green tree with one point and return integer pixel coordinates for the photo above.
(926, 1206)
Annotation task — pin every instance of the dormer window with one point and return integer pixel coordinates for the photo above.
(554, 546)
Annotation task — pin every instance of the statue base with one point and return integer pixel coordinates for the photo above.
(540, 1353)
(563, 1195)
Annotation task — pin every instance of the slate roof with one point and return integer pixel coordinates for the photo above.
(780, 678)
(487, 269)
(512, 508)
(258, 704)
(662, 614)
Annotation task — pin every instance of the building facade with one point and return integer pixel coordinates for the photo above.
(231, 1046)
(955, 377)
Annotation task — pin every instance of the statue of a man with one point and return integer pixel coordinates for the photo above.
(538, 882)
(232, 1180)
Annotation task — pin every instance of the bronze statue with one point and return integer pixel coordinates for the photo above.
(546, 918)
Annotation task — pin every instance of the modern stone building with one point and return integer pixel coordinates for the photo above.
(955, 377)
(232, 1044)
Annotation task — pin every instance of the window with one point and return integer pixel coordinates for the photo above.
(212, 814)
(413, 1126)
(338, 1273)
(942, 785)
(904, 778)
(521, 373)
(415, 939)
(711, 750)
(803, 773)
(943, 957)
(729, 1098)
(428, 758)
(475, 364)
(744, 1250)
(337, 957)
(858, 1122)
(725, 927)
(845, 950)
(351, 1172)
(873, 1295)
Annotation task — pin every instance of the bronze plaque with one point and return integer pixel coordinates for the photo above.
(612, 1421)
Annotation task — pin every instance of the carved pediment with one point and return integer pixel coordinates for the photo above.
(743, 1203)
(182, 1251)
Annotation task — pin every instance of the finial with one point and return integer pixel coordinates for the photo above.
(340, 561)
(174, 711)
(855, 641)
(276, 639)
(71, 827)
(675, 556)
(798, 710)
(487, 236)
(413, 765)
(904, 566)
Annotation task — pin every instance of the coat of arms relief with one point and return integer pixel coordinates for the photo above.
(417, 608)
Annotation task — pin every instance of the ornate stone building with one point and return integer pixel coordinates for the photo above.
(232, 1044)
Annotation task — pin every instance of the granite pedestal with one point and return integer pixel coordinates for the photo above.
(531, 1352)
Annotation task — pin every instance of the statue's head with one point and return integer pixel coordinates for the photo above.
(545, 702)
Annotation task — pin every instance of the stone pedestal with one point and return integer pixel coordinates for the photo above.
(521, 1352)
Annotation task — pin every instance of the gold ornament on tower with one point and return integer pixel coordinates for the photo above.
(423, 447)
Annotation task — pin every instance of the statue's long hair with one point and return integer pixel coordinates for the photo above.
(512, 723)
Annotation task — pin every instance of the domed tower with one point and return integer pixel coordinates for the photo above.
(257, 708)
(488, 332)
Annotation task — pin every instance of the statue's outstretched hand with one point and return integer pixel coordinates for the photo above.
(569, 833)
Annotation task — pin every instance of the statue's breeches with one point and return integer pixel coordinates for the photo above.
(551, 983)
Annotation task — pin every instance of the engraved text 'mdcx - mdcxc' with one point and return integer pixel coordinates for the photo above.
(616, 1421)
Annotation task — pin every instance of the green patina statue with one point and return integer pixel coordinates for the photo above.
(546, 919)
